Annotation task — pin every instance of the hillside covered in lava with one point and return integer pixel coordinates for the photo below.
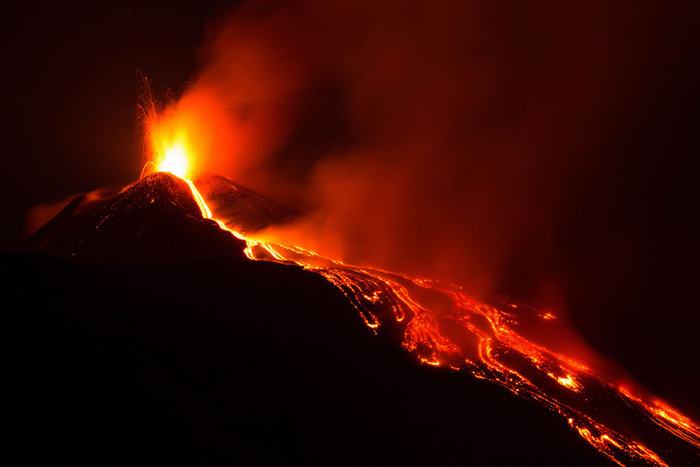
(141, 334)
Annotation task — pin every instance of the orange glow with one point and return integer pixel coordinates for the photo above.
(485, 341)
(212, 137)
(175, 161)
(169, 145)
(568, 381)
(180, 138)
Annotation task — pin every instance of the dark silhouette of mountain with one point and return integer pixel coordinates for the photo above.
(140, 334)
(153, 218)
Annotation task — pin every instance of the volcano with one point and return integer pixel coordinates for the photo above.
(142, 333)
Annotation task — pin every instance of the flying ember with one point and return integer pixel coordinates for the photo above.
(444, 327)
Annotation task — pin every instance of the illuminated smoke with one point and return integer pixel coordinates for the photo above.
(433, 140)
(426, 138)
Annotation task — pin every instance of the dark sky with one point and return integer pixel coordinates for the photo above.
(71, 85)
(625, 254)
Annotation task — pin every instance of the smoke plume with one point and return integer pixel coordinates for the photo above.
(435, 138)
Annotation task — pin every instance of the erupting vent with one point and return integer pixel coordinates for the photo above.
(444, 327)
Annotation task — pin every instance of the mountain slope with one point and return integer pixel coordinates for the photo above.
(142, 335)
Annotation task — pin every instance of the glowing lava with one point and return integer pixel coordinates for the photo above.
(486, 341)
(175, 161)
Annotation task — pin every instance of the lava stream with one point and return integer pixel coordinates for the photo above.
(484, 341)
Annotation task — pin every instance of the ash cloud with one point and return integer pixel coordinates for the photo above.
(435, 138)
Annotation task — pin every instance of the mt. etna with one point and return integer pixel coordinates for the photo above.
(341, 232)
(145, 333)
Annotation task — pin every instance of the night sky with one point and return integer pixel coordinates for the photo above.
(72, 80)
(624, 255)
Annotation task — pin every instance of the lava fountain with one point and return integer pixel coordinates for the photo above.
(445, 327)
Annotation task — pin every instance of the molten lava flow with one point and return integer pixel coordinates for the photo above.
(486, 341)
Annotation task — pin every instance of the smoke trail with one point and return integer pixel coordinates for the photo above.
(432, 139)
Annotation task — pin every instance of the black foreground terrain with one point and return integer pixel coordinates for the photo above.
(140, 334)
